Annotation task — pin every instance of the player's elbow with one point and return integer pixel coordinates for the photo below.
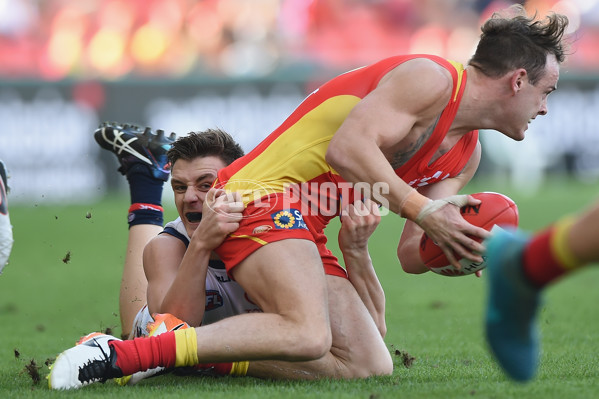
(332, 157)
(410, 261)
(337, 156)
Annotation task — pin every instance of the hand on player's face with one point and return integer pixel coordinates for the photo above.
(221, 214)
(358, 222)
(448, 229)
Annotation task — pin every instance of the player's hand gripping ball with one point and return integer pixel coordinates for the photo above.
(494, 210)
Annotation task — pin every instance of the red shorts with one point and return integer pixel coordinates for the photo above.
(271, 221)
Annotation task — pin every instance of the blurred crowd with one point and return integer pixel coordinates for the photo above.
(116, 39)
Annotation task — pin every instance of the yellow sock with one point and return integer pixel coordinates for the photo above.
(187, 347)
(559, 243)
(239, 368)
(186, 342)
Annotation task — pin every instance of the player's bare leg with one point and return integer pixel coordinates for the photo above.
(142, 157)
(358, 349)
(286, 280)
(132, 295)
(520, 267)
(582, 239)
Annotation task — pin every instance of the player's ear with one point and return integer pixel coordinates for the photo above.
(517, 79)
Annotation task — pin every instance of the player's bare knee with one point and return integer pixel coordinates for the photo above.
(382, 365)
(385, 366)
(367, 367)
(310, 341)
(321, 345)
(309, 336)
(374, 360)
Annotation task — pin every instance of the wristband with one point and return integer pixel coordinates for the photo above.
(433, 206)
(413, 204)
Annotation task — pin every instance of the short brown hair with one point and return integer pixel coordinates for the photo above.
(211, 142)
(519, 41)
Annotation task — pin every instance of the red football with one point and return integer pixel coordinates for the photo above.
(495, 209)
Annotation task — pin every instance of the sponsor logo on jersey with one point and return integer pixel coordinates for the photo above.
(289, 219)
(425, 181)
(214, 300)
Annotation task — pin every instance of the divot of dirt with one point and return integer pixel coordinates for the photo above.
(33, 370)
(406, 358)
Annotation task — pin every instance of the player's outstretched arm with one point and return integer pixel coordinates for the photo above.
(358, 222)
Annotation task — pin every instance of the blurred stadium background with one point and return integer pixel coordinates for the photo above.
(243, 65)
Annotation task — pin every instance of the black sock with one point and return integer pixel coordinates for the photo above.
(146, 197)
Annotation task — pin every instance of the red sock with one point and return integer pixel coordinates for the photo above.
(141, 354)
(540, 264)
(548, 255)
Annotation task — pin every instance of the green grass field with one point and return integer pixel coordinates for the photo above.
(48, 301)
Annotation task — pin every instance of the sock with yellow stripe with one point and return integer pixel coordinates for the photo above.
(547, 256)
(186, 353)
(170, 349)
